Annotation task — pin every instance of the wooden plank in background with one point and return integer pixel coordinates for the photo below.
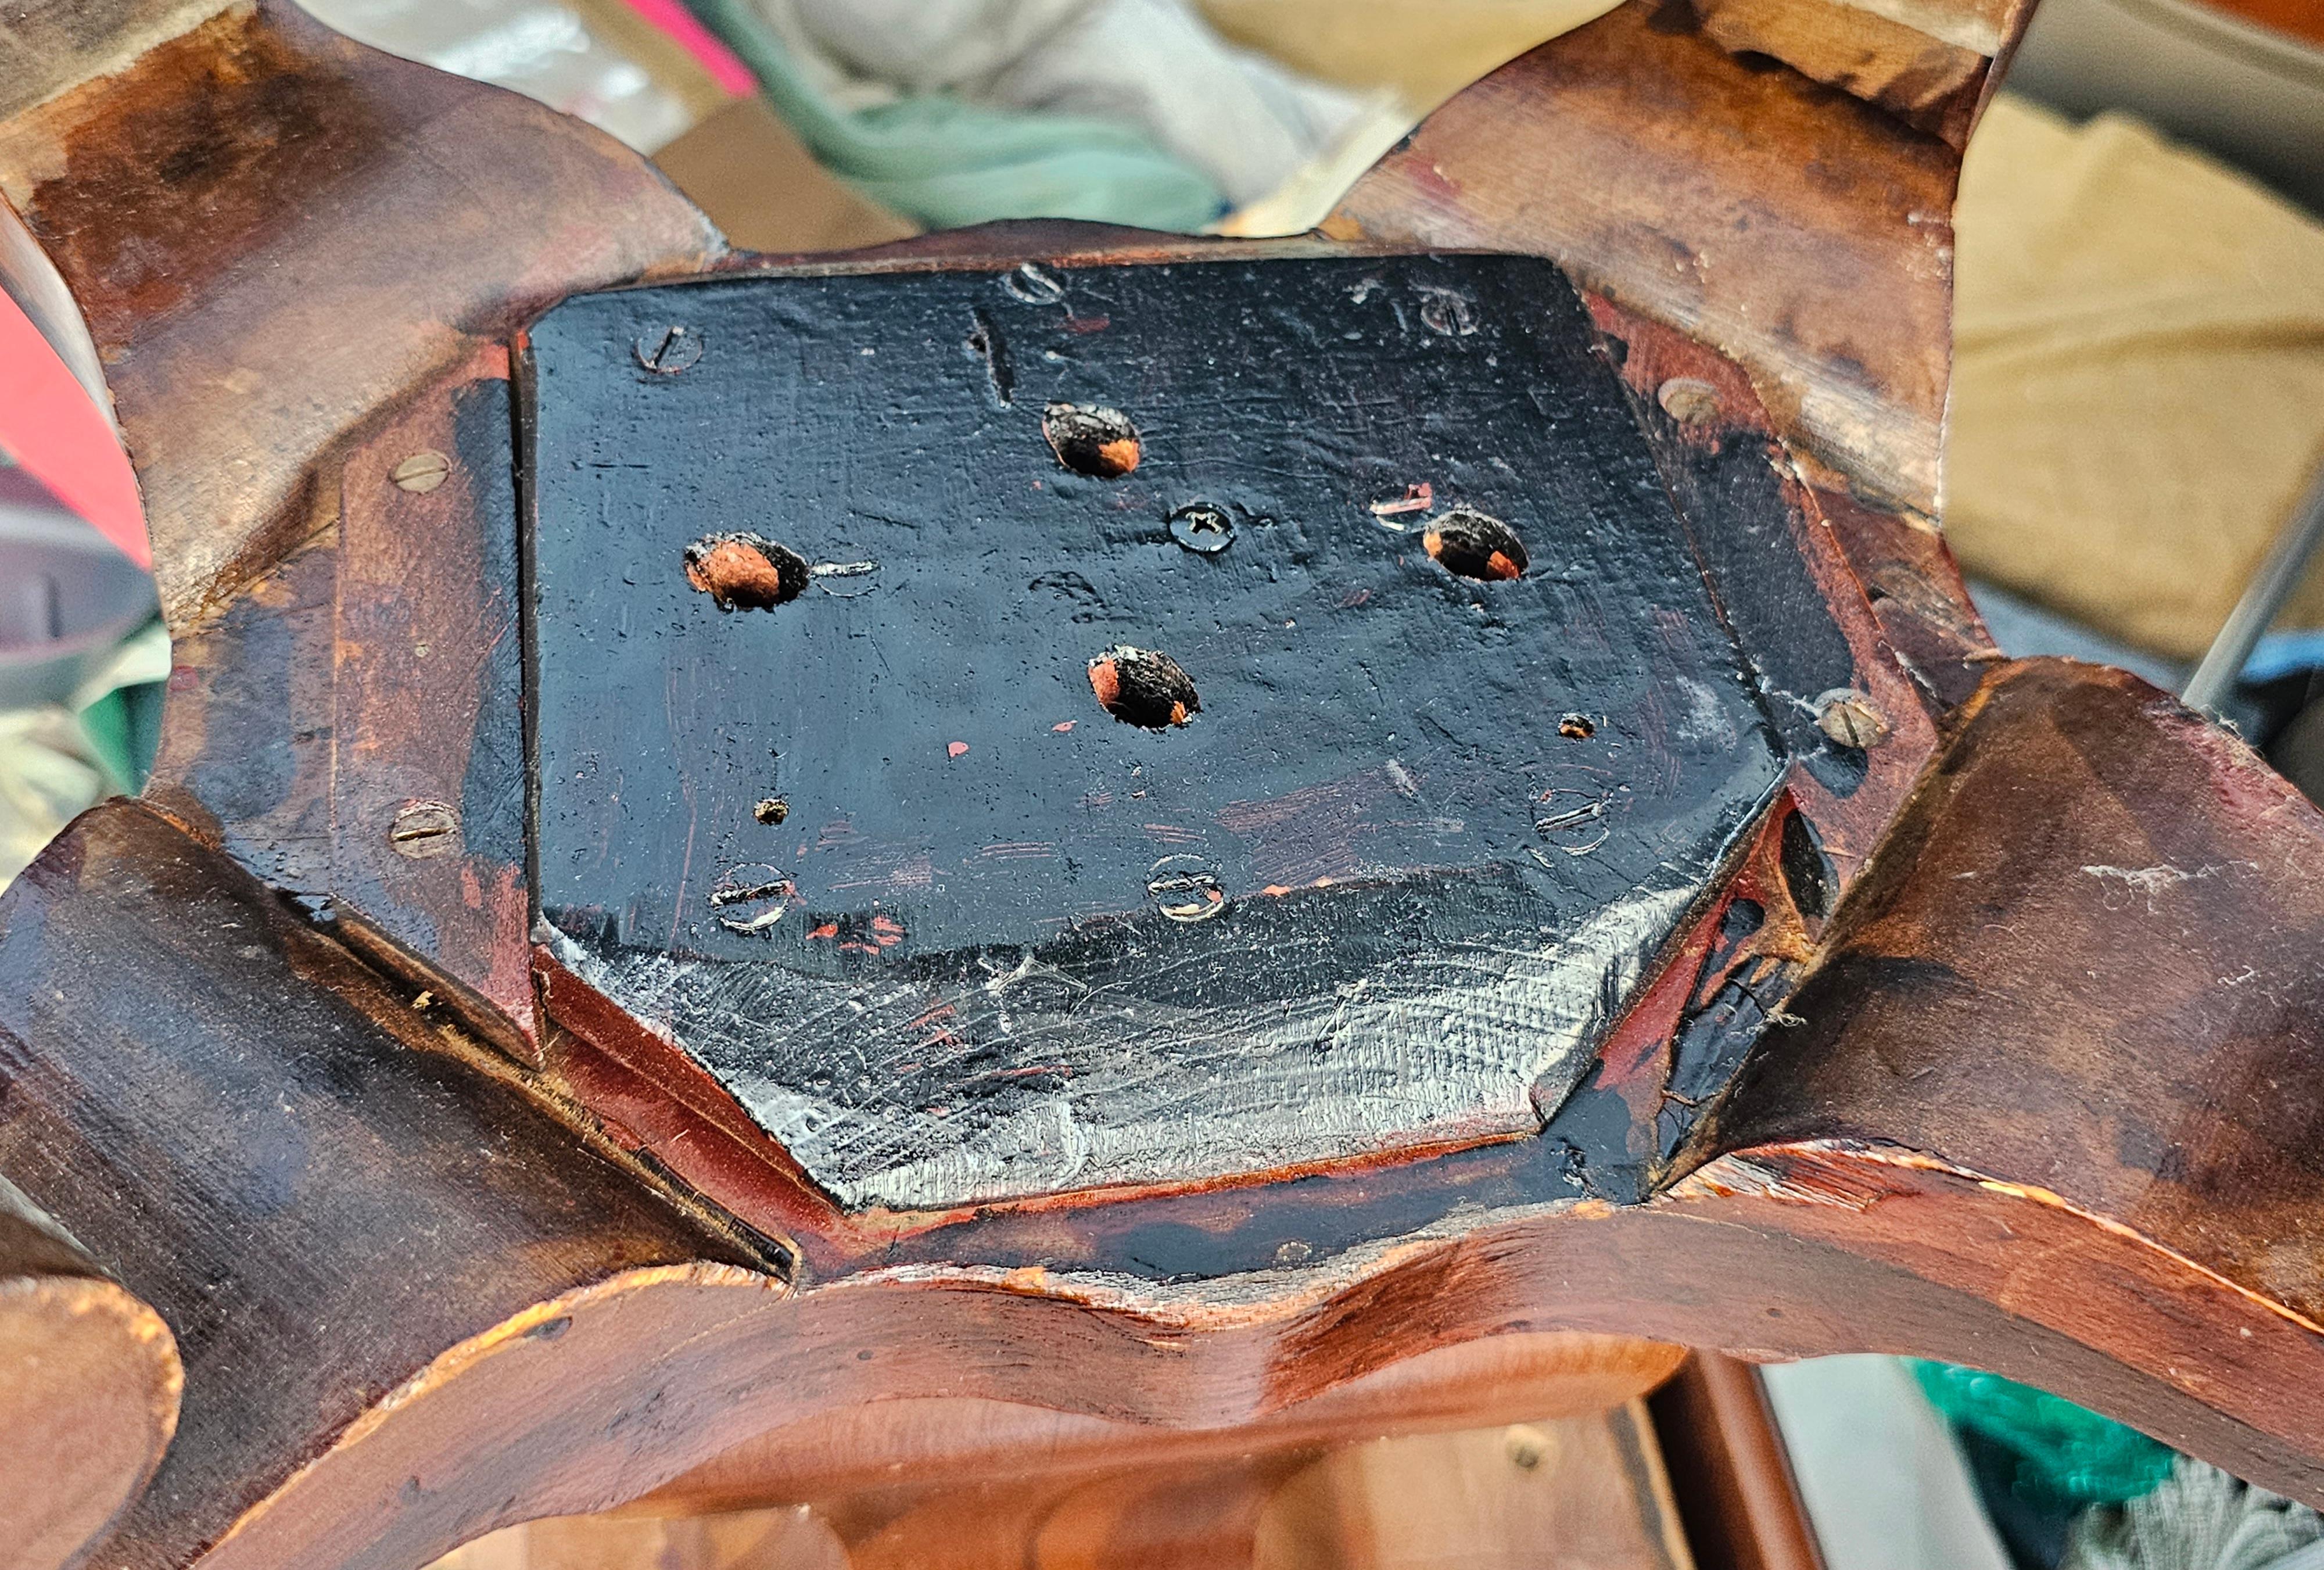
(1580, 1490)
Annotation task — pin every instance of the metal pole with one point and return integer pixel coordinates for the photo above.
(2264, 596)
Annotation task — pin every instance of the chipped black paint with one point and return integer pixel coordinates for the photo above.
(1808, 874)
(1714, 1037)
(973, 994)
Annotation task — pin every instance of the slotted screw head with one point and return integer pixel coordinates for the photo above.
(422, 472)
(425, 828)
(668, 350)
(1851, 719)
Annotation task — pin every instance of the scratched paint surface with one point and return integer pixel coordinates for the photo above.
(1435, 827)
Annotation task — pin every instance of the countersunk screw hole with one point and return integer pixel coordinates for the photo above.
(425, 828)
(750, 898)
(1688, 401)
(746, 571)
(1851, 719)
(422, 472)
(1032, 284)
(1185, 889)
(1573, 821)
(1447, 312)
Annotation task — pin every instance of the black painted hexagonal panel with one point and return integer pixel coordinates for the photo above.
(878, 859)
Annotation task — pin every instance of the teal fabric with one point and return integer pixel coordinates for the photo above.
(948, 163)
(124, 729)
(2066, 1454)
(58, 759)
(120, 714)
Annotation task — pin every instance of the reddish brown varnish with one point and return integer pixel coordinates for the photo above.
(2047, 1106)
(1733, 1482)
(90, 1380)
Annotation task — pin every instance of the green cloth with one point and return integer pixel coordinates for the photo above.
(58, 759)
(124, 731)
(2066, 1454)
(948, 162)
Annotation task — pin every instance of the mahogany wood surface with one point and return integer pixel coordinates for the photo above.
(90, 1380)
(1801, 231)
(1995, 1044)
(936, 1441)
(272, 231)
(1781, 1241)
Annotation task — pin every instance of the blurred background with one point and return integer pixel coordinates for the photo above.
(2137, 418)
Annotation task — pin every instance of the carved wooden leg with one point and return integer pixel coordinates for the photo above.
(1642, 911)
(89, 1392)
(416, 1305)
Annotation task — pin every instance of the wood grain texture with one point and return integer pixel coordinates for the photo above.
(89, 1381)
(1590, 1495)
(2045, 1111)
(1782, 580)
(936, 1443)
(1802, 232)
(428, 692)
(1917, 593)
(375, 669)
(792, 1538)
(55, 47)
(1781, 1241)
(2158, 1079)
(289, 1163)
(215, 203)
(1927, 65)
(368, 230)
(1489, 1499)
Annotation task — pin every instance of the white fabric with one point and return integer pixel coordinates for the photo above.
(1240, 118)
(1885, 1486)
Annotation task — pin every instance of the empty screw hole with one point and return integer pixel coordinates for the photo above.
(1142, 687)
(771, 811)
(1576, 728)
(1092, 440)
(1185, 889)
(745, 571)
(750, 900)
(1476, 545)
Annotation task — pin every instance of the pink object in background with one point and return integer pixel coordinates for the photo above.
(55, 434)
(674, 21)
